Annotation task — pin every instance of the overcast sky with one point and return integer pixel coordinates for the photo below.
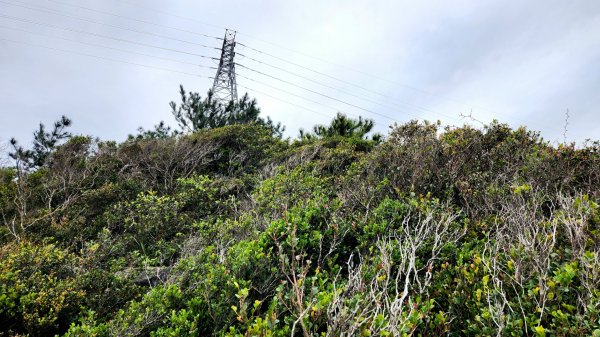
(521, 62)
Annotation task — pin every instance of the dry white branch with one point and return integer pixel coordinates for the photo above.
(391, 293)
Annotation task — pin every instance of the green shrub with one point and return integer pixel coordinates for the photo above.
(39, 291)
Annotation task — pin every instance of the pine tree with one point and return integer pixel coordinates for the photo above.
(342, 126)
(195, 113)
(43, 144)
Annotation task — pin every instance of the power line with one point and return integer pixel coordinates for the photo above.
(300, 53)
(390, 99)
(107, 58)
(158, 68)
(352, 69)
(339, 80)
(146, 66)
(344, 91)
(289, 72)
(246, 46)
(144, 6)
(316, 58)
(309, 69)
(100, 23)
(102, 36)
(321, 94)
(108, 47)
(134, 19)
(128, 62)
(52, 11)
(365, 73)
(292, 94)
(185, 41)
(285, 101)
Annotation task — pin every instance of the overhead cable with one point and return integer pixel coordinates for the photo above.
(389, 99)
(291, 93)
(134, 19)
(324, 95)
(54, 12)
(108, 47)
(103, 36)
(284, 101)
(346, 92)
(107, 58)
(392, 99)
(297, 52)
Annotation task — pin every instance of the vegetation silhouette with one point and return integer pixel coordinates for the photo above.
(223, 228)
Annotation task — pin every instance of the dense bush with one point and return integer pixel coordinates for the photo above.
(233, 231)
(40, 293)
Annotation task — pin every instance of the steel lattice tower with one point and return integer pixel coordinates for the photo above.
(225, 88)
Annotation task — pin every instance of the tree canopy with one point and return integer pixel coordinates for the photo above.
(342, 126)
(44, 142)
(233, 231)
(197, 113)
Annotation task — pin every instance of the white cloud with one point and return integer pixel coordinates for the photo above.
(520, 62)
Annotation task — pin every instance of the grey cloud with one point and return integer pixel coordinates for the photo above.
(520, 62)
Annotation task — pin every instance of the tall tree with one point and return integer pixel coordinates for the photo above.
(44, 143)
(344, 127)
(160, 131)
(195, 113)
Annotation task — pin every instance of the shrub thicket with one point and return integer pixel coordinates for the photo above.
(233, 231)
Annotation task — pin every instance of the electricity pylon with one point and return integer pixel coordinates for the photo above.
(225, 88)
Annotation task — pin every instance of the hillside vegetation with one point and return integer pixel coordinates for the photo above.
(229, 230)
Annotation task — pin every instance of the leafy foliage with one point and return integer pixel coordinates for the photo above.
(44, 143)
(231, 231)
(342, 126)
(195, 113)
(39, 290)
(160, 131)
